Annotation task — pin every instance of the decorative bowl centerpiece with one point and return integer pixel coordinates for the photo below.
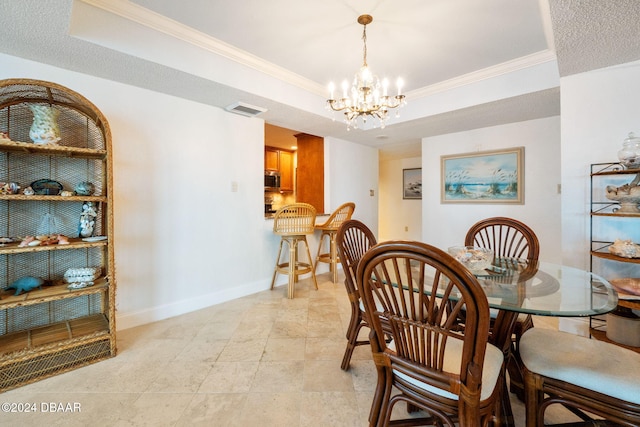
(475, 258)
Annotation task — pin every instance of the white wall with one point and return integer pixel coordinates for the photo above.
(599, 109)
(400, 219)
(353, 172)
(444, 225)
(183, 239)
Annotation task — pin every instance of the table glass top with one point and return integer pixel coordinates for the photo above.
(546, 289)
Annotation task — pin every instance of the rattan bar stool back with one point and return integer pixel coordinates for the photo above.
(329, 231)
(293, 223)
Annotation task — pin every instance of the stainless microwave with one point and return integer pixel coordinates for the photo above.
(272, 181)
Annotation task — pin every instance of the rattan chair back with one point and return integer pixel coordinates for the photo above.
(294, 219)
(507, 237)
(353, 239)
(404, 284)
(341, 214)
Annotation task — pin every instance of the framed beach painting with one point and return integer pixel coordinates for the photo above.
(483, 177)
(412, 183)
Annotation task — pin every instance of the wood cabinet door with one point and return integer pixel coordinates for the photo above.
(310, 176)
(286, 171)
(271, 159)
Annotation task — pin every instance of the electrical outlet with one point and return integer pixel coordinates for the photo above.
(406, 228)
(371, 193)
(234, 186)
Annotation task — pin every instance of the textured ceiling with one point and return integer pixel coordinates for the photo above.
(466, 64)
(592, 34)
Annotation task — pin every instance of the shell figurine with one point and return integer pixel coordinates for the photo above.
(84, 188)
(625, 249)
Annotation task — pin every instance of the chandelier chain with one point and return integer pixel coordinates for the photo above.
(364, 42)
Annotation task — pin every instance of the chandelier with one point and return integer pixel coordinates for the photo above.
(367, 97)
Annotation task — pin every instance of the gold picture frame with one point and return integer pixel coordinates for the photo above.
(495, 176)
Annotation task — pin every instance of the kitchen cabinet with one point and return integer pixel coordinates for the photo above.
(609, 221)
(282, 161)
(56, 225)
(286, 170)
(310, 175)
(271, 159)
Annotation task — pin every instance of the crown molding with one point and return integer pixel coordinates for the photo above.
(486, 73)
(161, 23)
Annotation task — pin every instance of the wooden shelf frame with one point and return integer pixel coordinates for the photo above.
(77, 243)
(60, 334)
(50, 293)
(100, 199)
(8, 145)
(612, 168)
(609, 256)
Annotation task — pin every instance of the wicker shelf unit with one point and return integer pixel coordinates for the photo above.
(54, 329)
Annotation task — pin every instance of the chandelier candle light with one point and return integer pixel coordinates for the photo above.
(366, 97)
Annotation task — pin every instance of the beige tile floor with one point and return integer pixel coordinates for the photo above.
(262, 360)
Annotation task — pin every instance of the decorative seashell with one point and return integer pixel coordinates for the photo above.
(625, 249)
(26, 241)
(28, 191)
(84, 188)
(47, 187)
(82, 274)
(9, 188)
(66, 193)
(79, 285)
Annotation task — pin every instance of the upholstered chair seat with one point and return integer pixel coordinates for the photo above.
(585, 374)
(491, 370)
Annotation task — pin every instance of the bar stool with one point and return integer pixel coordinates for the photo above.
(330, 229)
(293, 222)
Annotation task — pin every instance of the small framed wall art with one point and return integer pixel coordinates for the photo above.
(412, 183)
(483, 177)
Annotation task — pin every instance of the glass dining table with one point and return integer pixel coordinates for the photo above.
(516, 286)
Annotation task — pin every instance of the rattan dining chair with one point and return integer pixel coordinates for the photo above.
(453, 375)
(353, 239)
(293, 223)
(508, 238)
(329, 229)
(583, 375)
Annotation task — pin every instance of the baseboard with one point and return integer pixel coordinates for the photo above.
(177, 308)
(161, 312)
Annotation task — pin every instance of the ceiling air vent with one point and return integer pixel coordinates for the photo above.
(245, 109)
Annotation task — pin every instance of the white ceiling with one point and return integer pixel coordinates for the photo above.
(466, 64)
